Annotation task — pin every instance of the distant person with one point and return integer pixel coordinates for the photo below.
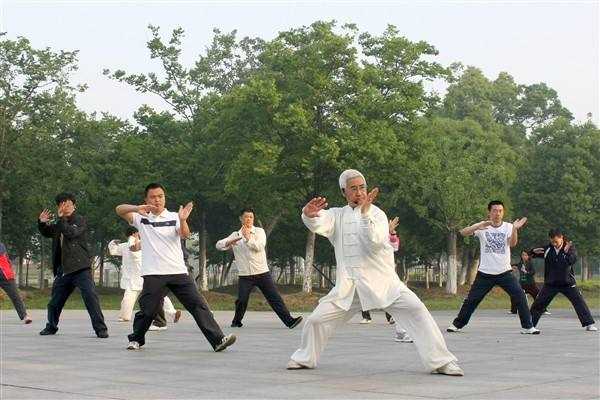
(526, 279)
(495, 238)
(7, 282)
(71, 263)
(559, 256)
(248, 245)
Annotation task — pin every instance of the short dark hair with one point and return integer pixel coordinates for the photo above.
(555, 232)
(495, 203)
(64, 196)
(130, 230)
(247, 209)
(151, 186)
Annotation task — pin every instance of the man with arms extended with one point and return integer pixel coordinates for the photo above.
(163, 267)
(496, 238)
(248, 245)
(71, 264)
(365, 267)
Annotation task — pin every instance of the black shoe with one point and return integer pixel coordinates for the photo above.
(236, 324)
(102, 334)
(225, 342)
(296, 322)
(47, 331)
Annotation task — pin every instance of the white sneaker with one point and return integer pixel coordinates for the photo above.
(452, 328)
(392, 321)
(547, 313)
(157, 328)
(122, 320)
(451, 368)
(403, 337)
(366, 321)
(531, 331)
(133, 345)
(294, 365)
(591, 328)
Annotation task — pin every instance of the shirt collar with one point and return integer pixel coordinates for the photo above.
(253, 229)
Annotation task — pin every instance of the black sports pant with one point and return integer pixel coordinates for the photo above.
(482, 285)
(181, 285)
(267, 287)
(571, 292)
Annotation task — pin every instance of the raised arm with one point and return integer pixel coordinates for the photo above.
(44, 226)
(470, 230)
(226, 243)
(184, 213)
(72, 229)
(317, 219)
(514, 237)
(257, 241)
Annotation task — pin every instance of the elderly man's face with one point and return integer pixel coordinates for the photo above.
(355, 191)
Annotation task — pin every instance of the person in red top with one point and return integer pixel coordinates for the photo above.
(7, 282)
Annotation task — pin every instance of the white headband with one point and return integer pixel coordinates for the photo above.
(349, 174)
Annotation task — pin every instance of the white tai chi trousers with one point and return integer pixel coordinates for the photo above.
(407, 309)
(128, 303)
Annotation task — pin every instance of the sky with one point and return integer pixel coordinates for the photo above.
(556, 42)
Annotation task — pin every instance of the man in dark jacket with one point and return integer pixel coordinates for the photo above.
(559, 256)
(71, 264)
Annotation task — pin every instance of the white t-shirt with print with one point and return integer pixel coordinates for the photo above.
(161, 244)
(495, 251)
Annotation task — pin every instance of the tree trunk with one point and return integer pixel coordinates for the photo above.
(27, 272)
(226, 272)
(451, 279)
(101, 267)
(440, 271)
(467, 255)
(584, 268)
(21, 262)
(202, 279)
(292, 273)
(426, 276)
(308, 262)
(473, 267)
(41, 282)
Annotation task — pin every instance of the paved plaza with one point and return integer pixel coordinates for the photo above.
(361, 361)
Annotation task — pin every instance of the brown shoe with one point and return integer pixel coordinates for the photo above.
(177, 316)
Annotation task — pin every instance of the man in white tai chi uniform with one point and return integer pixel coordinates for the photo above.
(365, 264)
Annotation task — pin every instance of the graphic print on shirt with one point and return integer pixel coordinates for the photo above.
(495, 242)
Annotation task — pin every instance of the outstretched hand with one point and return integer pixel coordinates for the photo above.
(369, 200)
(45, 216)
(519, 223)
(313, 207)
(184, 212)
(393, 224)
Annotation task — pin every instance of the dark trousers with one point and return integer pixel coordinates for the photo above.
(571, 292)
(528, 288)
(367, 315)
(267, 287)
(10, 287)
(181, 285)
(62, 288)
(482, 285)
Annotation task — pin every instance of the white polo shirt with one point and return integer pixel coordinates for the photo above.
(161, 244)
(250, 255)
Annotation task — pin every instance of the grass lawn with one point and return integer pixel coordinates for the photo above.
(224, 298)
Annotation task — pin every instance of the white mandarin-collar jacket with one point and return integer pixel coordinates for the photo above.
(131, 264)
(364, 256)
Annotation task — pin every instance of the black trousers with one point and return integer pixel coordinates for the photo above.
(528, 288)
(10, 287)
(267, 287)
(181, 285)
(62, 288)
(482, 285)
(571, 292)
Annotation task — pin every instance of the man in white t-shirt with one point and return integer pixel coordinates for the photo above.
(495, 238)
(248, 245)
(163, 267)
